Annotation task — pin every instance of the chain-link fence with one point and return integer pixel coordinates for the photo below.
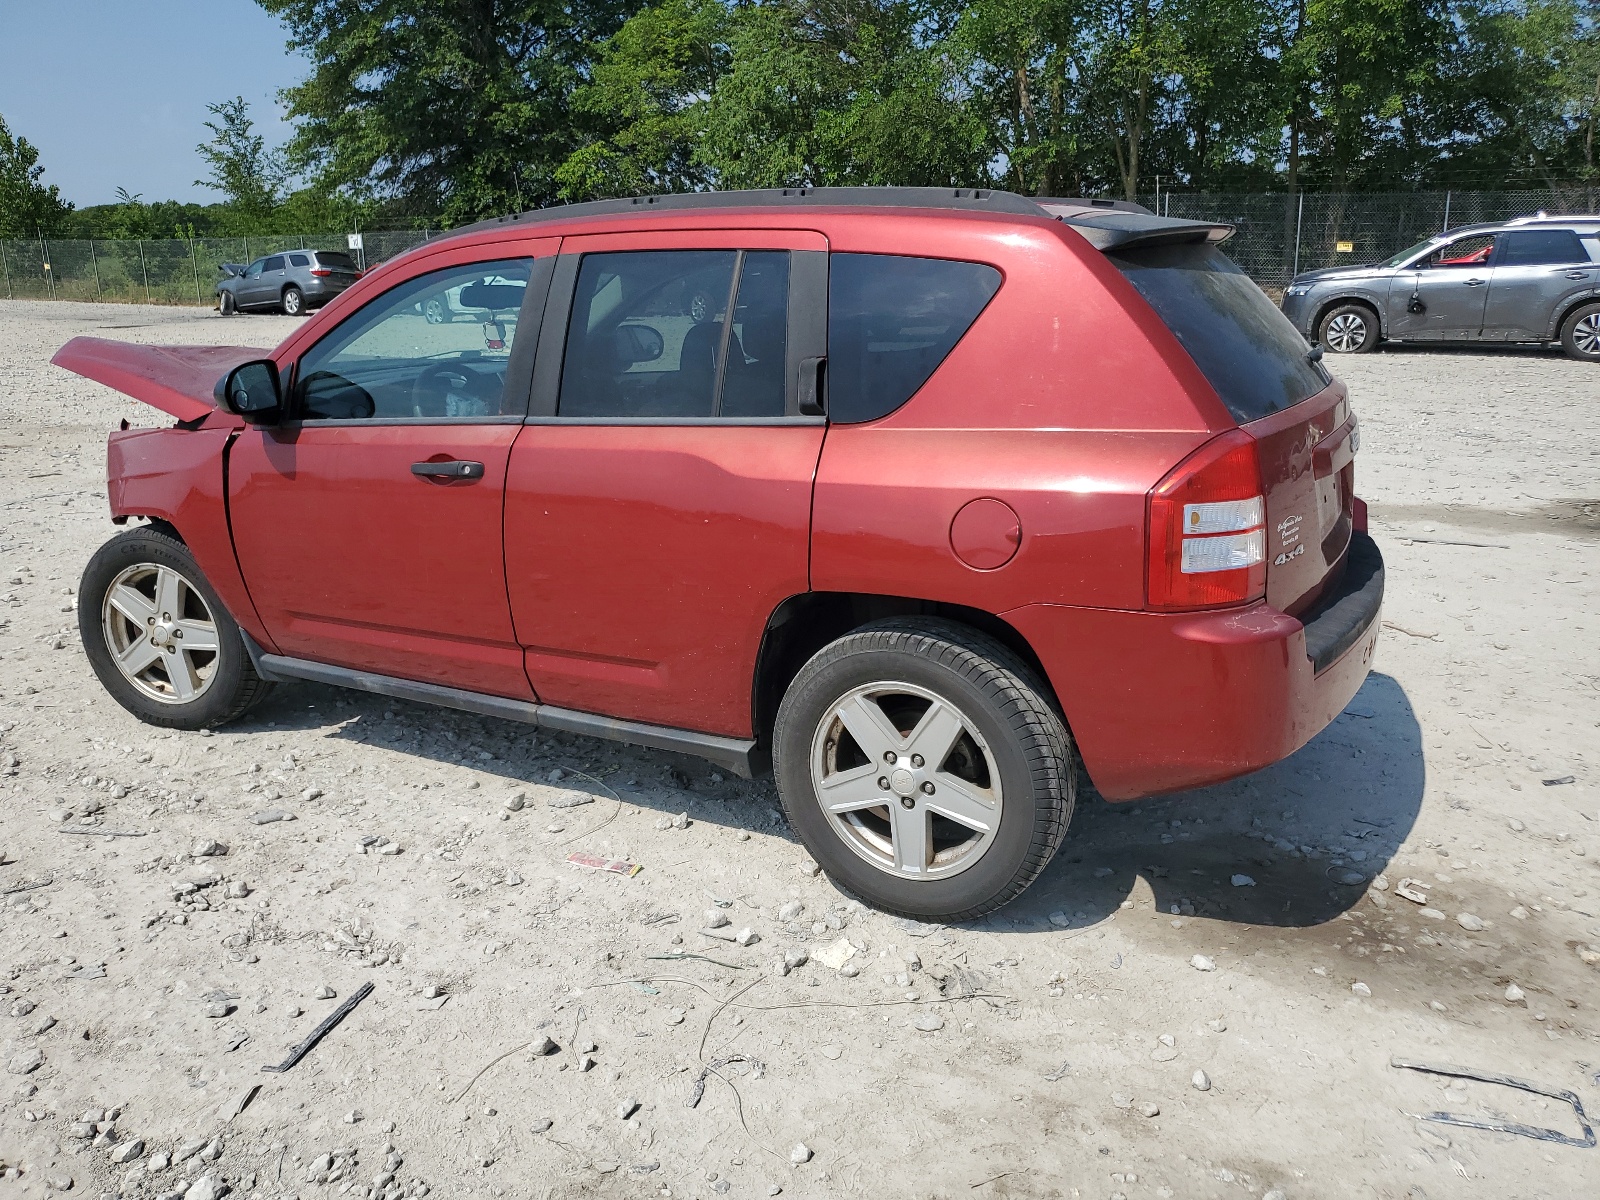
(155, 271)
(1278, 235)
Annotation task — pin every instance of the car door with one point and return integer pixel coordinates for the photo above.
(368, 525)
(249, 290)
(1441, 297)
(658, 500)
(1536, 271)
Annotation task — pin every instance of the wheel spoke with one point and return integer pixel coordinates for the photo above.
(963, 803)
(138, 655)
(909, 828)
(936, 734)
(131, 603)
(169, 594)
(850, 790)
(198, 635)
(872, 730)
(180, 673)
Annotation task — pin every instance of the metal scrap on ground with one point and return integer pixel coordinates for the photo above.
(1587, 1141)
(317, 1034)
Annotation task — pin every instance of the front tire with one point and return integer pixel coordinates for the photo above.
(922, 765)
(435, 311)
(1349, 329)
(227, 305)
(1580, 333)
(294, 301)
(158, 637)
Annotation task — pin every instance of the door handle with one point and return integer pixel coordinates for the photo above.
(1577, 274)
(454, 469)
(1474, 282)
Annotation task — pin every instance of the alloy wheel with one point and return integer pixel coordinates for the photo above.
(1346, 332)
(161, 633)
(906, 780)
(1586, 335)
(291, 302)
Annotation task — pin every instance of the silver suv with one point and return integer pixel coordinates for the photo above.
(1534, 279)
(293, 282)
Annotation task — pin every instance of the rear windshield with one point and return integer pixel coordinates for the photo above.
(1237, 337)
(336, 258)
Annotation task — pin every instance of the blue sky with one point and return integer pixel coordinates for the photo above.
(114, 92)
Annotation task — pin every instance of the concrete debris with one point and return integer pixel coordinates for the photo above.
(271, 816)
(801, 1154)
(1201, 963)
(836, 954)
(1200, 1081)
(1469, 922)
(929, 1022)
(1360, 989)
(207, 848)
(1515, 995)
(1243, 881)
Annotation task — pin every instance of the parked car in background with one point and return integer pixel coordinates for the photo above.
(1534, 279)
(922, 496)
(293, 282)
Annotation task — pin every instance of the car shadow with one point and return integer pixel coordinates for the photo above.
(1303, 837)
(1292, 845)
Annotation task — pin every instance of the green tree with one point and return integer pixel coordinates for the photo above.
(242, 168)
(459, 107)
(28, 206)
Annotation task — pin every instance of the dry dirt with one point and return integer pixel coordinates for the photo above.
(1015, 1057)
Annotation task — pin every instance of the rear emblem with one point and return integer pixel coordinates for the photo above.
(1289, 557)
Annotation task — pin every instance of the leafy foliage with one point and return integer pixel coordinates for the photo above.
(28, 206)
(242, 168)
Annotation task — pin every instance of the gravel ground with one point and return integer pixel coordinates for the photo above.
(530, 1035)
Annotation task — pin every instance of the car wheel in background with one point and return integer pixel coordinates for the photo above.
(436, 311)
(226, 304)
(1580, 333)
(294, 301)
(158, 637)
(924, 768)
(1349, 329)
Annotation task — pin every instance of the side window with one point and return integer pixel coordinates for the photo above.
(891, 322)
(389, 360)
(1471, 251)
(1542, 247)
(650, 335)
(275, 263)
(253, 271)
(299, 260)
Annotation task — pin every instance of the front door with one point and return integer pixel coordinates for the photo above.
(368, 527)
(1441, 298)
(251, 290)
(658, 501)
(1536, 272)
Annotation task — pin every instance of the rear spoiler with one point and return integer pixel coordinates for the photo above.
(176, 379)
(1112, 225)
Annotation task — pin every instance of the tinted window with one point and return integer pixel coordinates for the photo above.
(646, 334)
(254, 268)
(1541, 247)
(299, 260)
(1237, 337)
(753, 382)
(336, 258)
(275, 263)
(1471, 251)
(389, 360)
(891, 322)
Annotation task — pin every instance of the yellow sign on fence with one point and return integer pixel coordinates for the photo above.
(1344, 247)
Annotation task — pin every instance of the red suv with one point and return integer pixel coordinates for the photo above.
(921, 496)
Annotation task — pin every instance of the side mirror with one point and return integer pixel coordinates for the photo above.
(253, 392)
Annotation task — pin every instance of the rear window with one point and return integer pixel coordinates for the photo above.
(891, 321)
(1248, 350)
(336, 258)
(299, 260)
(1542, 247)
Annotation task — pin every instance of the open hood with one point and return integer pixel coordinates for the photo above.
(176, 379)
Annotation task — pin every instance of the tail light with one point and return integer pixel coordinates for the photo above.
(1207, 528)
(321, 272)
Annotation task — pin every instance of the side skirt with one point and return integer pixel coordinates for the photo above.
(738, 755)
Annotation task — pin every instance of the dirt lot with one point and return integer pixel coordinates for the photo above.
(1051, 1051)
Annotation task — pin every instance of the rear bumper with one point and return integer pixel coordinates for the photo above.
(1159, 702)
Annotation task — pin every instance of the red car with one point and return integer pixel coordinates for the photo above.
(922, 496)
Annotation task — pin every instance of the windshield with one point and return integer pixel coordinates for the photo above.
(1407, 253)
(1237, 337)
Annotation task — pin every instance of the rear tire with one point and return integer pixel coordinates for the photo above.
(945, 840)
(141, 593)
(294, 301)
(1349, 329)
(1580, 333)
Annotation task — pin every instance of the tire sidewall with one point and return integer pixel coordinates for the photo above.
(1569, 329)
(146, 546)
(228, 304)
(810, 698)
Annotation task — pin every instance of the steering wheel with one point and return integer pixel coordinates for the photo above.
(431, 387)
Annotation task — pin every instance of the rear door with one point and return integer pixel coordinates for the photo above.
(1535, 273)
(368, 526)
(658, 500)
(1299, 415)
(1442, 297)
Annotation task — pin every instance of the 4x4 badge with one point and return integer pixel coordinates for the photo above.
(1291, 556)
